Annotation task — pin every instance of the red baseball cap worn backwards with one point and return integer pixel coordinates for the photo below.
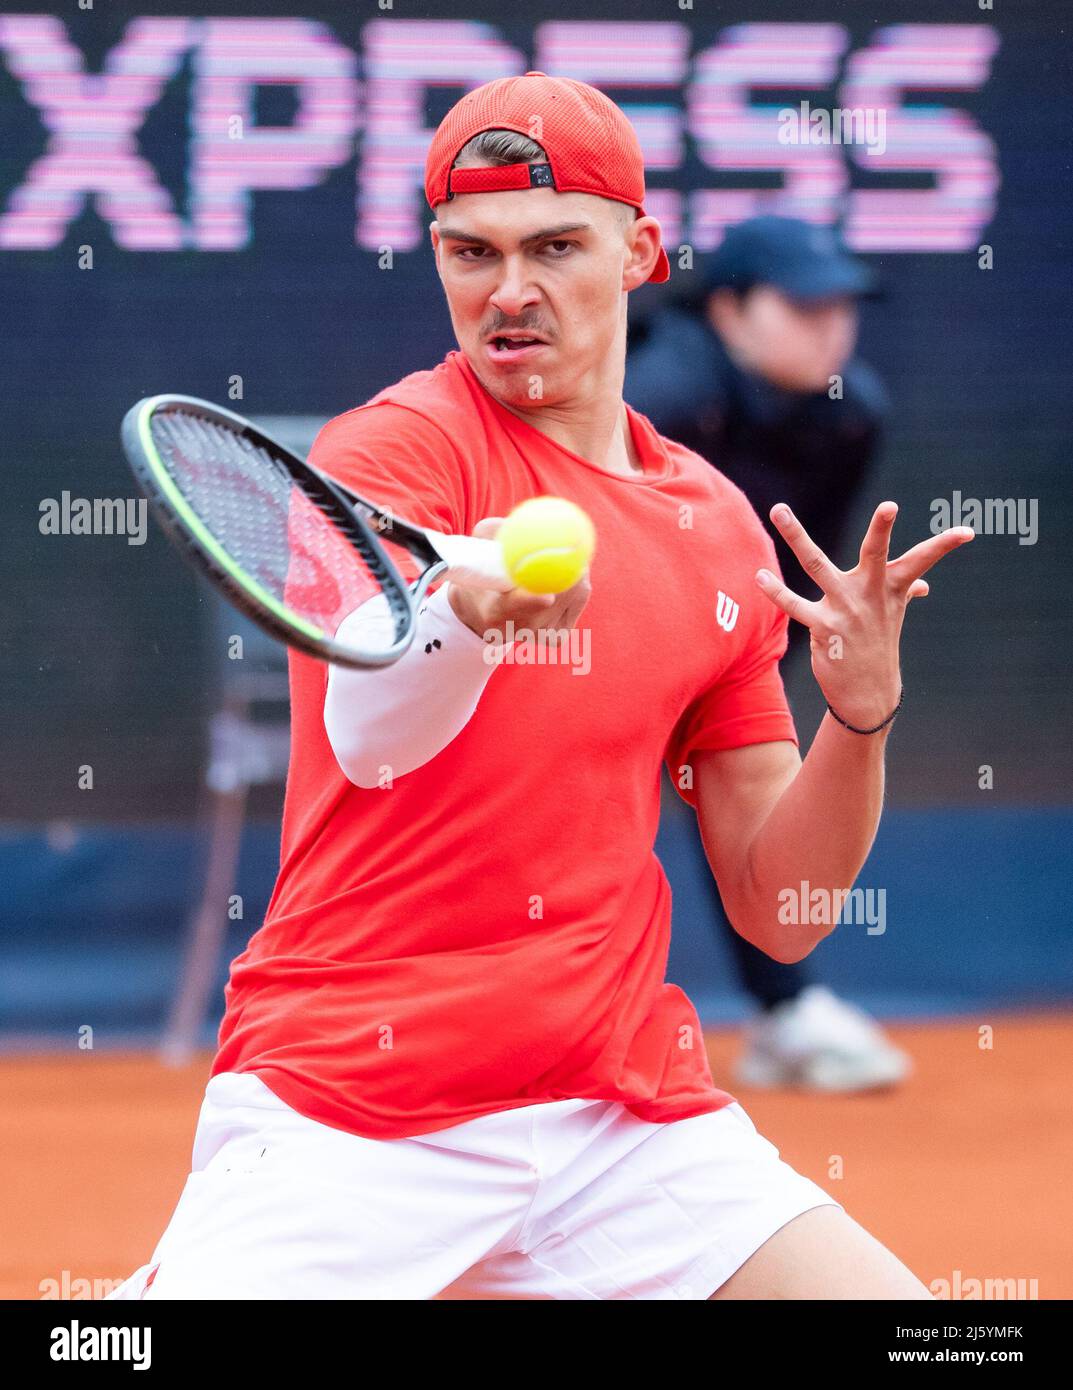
(590, 145)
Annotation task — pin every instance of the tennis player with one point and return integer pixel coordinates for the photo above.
(450, 1065)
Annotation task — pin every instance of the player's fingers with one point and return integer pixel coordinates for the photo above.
(812, 559)
(521, 604)
(921, 557)
(876, 544)
(561, 609)
(488, 527)
(919, 588)
(573, 602)
(793, 604)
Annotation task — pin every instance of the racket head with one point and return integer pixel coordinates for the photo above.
(276, 536)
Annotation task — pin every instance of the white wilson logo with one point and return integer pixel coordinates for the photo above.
(726, 612)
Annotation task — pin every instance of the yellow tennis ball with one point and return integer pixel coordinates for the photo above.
(547, 544)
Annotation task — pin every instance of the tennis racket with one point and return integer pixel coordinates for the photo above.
(294, 550)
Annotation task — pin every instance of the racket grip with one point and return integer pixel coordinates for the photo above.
(473, 561)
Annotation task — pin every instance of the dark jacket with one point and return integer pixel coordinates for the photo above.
(778, 446)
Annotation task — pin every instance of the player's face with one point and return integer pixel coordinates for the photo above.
(798, 345)
(535, 283)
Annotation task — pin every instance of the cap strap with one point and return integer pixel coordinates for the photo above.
(497, 178)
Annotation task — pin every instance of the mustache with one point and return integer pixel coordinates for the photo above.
(526, 324)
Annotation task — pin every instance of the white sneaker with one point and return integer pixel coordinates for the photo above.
(819, 1042)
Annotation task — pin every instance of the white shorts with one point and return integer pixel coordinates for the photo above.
(570, 1199)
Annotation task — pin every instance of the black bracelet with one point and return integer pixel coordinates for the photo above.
(854, 730)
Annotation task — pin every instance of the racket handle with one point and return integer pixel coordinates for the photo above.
(472, 561)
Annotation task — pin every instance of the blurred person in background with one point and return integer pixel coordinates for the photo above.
(756, 373)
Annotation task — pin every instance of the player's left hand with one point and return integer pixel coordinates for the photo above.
(856, 626)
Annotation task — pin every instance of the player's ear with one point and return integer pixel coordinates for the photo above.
(643, 240)
(434, 237)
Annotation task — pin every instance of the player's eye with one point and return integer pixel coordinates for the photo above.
(559, 249)
(471, 253)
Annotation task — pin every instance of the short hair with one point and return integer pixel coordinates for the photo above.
(511, 147)
(500, 147)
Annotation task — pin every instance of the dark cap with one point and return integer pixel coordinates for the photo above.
(804, 260)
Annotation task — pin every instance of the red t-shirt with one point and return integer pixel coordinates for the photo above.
(492, 930)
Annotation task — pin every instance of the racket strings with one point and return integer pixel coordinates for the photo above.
(282, 531)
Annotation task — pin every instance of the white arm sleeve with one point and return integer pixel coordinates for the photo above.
(401, 716)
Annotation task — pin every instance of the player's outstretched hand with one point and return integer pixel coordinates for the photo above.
(485, 611)
(856, 626)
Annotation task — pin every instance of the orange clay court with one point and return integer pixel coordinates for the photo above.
(963, 1171)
